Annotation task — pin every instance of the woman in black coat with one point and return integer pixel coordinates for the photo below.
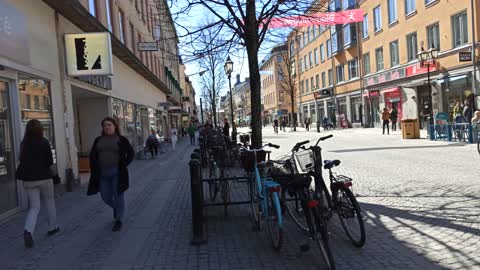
(34, 170)
(110, 155)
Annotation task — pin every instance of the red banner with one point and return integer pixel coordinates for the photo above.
(328, 18)
(420, 69)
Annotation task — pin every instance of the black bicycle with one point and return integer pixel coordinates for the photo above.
(341, 200)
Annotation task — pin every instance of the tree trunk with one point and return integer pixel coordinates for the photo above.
(294, 118)
(251, 43)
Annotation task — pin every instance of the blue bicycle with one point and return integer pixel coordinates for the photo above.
(264, 196)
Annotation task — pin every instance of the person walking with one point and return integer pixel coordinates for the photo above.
(226, 128)
(386, 120)
(36, 175)
(394, 117)
(457, 110)
(275, 126)
(152, 144)
(467, 111)
(109, 158)
(174, 136)
(191, 131)
(283, 125)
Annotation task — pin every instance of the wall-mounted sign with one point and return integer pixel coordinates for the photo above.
(102, 81)
(88, 54)
(148, 46)
(13, 34)
(465, 56)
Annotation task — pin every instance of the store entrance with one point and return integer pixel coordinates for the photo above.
(8, 185)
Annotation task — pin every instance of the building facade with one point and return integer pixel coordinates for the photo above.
(365, 67)
(35, 84)
(276, 98)
(242, 102)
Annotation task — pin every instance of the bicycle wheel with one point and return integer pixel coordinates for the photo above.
(212, 184)
(319, 232)
(323, 196)
(351, 219)
(294, 208)
(274, 221)
(254, 202)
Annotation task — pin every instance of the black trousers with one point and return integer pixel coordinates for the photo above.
(386, 124)
(192, 139)
(154, 151)
(394, 125)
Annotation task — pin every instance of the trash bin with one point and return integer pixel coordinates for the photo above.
(410, 129)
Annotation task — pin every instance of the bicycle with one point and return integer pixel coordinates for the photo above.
(299, 199)
(264, 197)
(341, 200)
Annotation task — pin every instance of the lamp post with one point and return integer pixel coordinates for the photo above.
(228, 70)
(428, 58)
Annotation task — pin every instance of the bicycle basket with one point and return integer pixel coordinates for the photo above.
(248, 159)
(305, 160)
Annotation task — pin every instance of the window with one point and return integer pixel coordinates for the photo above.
(429, 1)
(329, 47)
(330, 77)
(304, 39)
(394, 57)
(392, 11)
(377, 18)
(28, 104)
(314, 33)
(306, 86)
(92, 7)
(157, 32)
(334, 5)
(433, 36)
(317, 81)
(460, 29)
(334, 43)
(121, 26)
(36, 102)
(322, 55)
(292, 48)
(312, 86)
(349, 35)
(353, 69)
(315, 53)
(310, 60)
(109, 14)
(409, 6)
(412, 48)
(324, 79)
(365, 26)
(46, 105)
(302, 87)
(366, 64)
(346, 4)
(301, 65)
(379, 58)
(308, 34)
(305, 64)
(340, 74)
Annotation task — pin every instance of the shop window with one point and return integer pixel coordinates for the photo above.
(41, 96)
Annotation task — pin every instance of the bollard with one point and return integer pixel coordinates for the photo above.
(198, 228)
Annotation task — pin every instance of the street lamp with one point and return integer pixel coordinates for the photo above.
(428, 58)
(228, 70)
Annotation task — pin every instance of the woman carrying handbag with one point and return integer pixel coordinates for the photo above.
(34, 170)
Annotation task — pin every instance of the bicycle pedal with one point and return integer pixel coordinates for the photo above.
(304, 248)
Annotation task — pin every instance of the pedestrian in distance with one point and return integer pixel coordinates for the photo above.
(226, 127)
(36, 175)
(283, 124)
(394, 117)
(476, 118)
(275, 126)
(318, 124)
(386, 120)
(109, 158)
(173, 136)
(338, 121)
(467, 111)
(457, 110)
(152, 144)
(191, 131)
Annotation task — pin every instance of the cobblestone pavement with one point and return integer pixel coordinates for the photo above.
(420, 201)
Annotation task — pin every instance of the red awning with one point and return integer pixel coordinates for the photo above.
(390, 90)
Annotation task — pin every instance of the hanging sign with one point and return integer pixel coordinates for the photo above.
(88, 54)
(465, 56)
(328, 18)
(148, 46)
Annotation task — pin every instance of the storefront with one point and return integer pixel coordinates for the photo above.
(455, 89)
(342, 105)
(356, 109)
(393, 100)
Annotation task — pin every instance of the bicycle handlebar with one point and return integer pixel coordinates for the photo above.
(261, 149)
(323, 138)
(297, 146)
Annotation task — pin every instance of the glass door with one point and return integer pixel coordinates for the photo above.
(8, 185)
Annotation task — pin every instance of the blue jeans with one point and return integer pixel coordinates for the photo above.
(109, 192)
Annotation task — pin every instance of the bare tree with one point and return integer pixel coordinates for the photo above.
(287, 70)
(213, 80)
(244, 23)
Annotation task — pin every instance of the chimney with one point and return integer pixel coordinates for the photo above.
(238, 79)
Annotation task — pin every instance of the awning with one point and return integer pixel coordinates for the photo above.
(390, 90)
(452, 78)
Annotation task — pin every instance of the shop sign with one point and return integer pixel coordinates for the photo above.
(13, 34)
(103, 81)
(88, 54)
(465, 56)
(148, 46)
(385, 76)
(420, 69)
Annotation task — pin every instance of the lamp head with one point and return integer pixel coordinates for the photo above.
(433, 52)
(228, 66)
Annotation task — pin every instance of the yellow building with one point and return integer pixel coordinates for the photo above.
(373, 65)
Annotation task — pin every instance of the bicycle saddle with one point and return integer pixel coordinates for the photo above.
(328, 164)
